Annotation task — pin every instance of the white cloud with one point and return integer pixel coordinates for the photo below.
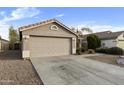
(59, 15)
(21, 13)
(4, 30)
(2, 13)
(17, 14)
(98, 28)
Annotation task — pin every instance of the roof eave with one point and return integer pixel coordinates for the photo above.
(47, 22)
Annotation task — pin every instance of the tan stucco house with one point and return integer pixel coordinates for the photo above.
(4, 45)
(108, 39)
(47, 38)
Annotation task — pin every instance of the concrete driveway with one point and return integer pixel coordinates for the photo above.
(70, 70)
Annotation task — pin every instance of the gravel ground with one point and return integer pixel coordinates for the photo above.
(14, 70)
(110, 59)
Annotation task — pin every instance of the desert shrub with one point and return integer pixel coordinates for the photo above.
(78, 51)
(113, 50)
(91, 51)
(83, 49)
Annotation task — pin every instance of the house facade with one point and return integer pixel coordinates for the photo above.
(108, 39)
(4, 45)
(47, 38)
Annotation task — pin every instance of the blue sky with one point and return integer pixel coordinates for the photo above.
(98, 19)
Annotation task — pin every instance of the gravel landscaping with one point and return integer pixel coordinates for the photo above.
(14, 70)
(110, 59)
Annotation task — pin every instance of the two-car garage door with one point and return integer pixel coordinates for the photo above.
(49, 46)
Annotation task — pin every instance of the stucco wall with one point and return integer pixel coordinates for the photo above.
(46, 31)
(121, 37)
(120, 44)
(120, 40)
(105, 43)
(4, 45)
(109, 43)
(0, 45)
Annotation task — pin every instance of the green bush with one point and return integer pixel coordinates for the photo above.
(113, 50)
(78, 51)
(102, 50)
(93, 41)
(91, 51)
(83, 49)
(116, 51)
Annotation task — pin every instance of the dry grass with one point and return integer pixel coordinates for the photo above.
(110, 59)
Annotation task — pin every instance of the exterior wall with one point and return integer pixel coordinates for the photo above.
(105, 43)
(120, 44)
(73, 41)
(25, 46)
(0, 46)
(4, 45)
(84, 43)
(121, 37)
(45, 31)
(120, 40)
(108, 43)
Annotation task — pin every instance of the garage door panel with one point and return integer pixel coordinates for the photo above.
(47, 46)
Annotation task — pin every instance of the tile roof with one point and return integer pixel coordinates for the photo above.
(105, 35)
(36, 24)
(23, 28)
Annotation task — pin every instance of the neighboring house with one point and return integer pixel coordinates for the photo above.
(47, 38)
(109, 39)
(4, 45)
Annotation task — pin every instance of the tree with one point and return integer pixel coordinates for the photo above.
(73, 28)
(98, 42)
(93, 41)
(86, 29)
(13, 37)
(82, 31)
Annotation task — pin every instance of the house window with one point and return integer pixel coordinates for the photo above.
(54, 27)
(103, 44)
